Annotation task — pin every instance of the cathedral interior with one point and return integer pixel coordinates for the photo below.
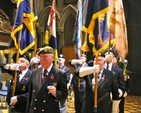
(66, 11)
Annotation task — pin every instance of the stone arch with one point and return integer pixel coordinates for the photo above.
(66, 25)
(70, 9)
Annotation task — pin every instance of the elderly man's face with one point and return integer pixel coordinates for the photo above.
(61, 61)
(46, 60)
(100, 61)
(23, 63)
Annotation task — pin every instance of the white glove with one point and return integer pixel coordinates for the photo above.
(111, 96)
(115, 106)
(7, 66)
(13, 100)
(76, 61)
(96, 68)
(34, 60)
(125, 94)
(88, 70)
(14, 67)
(120, 92)
(108, 58)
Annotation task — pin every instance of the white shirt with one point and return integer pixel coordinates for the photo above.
(22, 74)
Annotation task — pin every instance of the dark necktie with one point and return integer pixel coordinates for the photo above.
(18, 77)
(99, 76)
(44, 76)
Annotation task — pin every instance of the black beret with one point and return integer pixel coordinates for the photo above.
(100, 54)
(26, 56)
(46, 50)
(112, 50)
(61, 56)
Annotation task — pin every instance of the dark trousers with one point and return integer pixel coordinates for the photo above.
(12, 110)
(78, 98)
(121, 105)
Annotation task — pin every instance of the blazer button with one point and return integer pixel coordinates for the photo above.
(35, 99)
(33, 90)
(34, 108)
(43, 110)
(44, 101)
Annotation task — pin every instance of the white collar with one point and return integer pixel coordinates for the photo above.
(48, 69)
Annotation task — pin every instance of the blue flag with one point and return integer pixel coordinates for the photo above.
(95, 23)
(24, 29)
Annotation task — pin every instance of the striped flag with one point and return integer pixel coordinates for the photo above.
(78, 29)
(117, 26)
(23, 28)
(51, 27)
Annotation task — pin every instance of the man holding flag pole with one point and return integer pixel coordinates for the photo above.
(23, 35)
(96, 26)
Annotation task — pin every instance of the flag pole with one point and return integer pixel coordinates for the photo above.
(95, 88)
(17, 57)
(79, 58)
(34, 27)
(35, 45)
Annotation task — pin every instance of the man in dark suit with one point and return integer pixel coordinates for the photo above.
(17, 102)
(78, 84)
(106, 84)
(61, 63)
(127, 75)
(110, 60)
(48, 85)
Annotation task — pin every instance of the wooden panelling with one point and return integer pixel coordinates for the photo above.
(69, 53)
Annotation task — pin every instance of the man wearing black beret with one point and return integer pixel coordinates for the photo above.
(17, 102)
(48, 85)
(106, 84)
(61, 63)
(118, 73)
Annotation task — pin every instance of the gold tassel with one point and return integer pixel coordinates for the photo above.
(85, 47)
(100, 42)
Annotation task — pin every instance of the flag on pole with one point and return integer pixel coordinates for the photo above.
(117, 26)
(95, 24)
(78, 29)
(24, 23)
(47, 35)
(51, 27)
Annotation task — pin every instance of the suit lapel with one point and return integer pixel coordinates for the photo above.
(25, 77)
(50, 77)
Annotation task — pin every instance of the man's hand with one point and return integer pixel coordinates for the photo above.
(96, 68)
(84, 71)
(7, 66)
(108, 58)
(76, 61)
(34, 60)
(12, 66)
(120, 92)
(125, 94)
(52, 90)
(13, 100)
